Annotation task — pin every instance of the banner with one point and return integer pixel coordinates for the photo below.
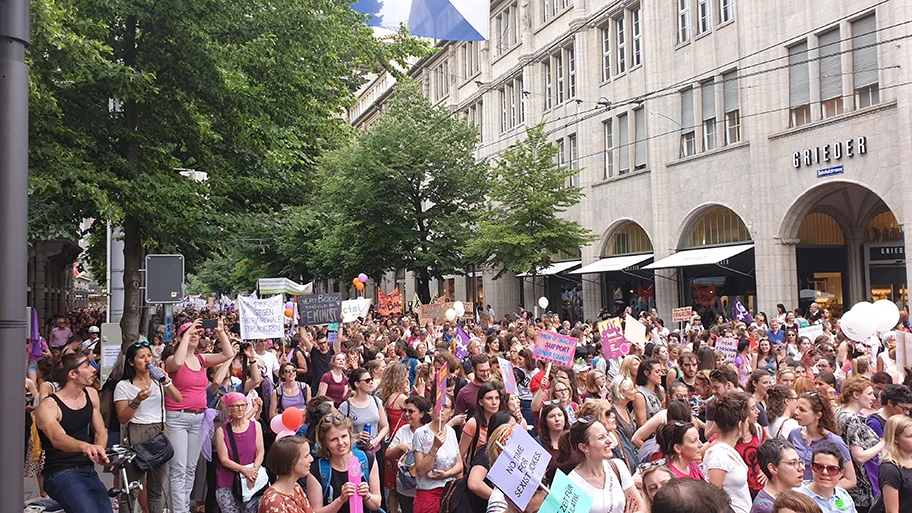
(461, 340)
(283, 286)
(612, 336)
(565, 497)
(741, 313)
(437, 312)
(388, 304)
(320, 309)
(509, 379)
(354, 308)
(261, 318)
(729, 347)
(683, 314)
(519, 468)
(811, 332)
(555, 348)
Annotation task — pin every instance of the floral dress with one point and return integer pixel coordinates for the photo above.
(275, 501)
(856, 432)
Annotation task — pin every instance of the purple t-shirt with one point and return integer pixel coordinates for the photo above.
(763, 503)
(806, 451)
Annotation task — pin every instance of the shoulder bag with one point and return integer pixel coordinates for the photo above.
(155, 452)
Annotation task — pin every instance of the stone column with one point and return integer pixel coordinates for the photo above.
(461, 291)
(777, 273)
(592, 295)
(856, 271)
(666, 291)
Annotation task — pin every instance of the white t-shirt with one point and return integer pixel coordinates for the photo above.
(447, 454)
(612, 498)
(150, 410)
(405, 435)
(782, 426)
(272, 363)
(724, 457)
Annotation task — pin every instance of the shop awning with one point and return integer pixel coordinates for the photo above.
(618, 263)
(555, 268)
(702, 256)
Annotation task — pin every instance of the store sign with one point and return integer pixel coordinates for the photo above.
(887, 253)
(830, 152)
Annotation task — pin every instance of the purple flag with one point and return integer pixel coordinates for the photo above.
(462, 343)
(741, 313)
(35, 335)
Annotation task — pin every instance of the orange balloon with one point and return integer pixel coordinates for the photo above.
(359, 286)
(289, 312)
(356, 281)
(292, 418)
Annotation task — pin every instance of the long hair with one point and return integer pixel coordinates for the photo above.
(820, 404)
(776, 397)
(129, 370)
(896, 426)
(570, 440)
(544, 431)
(393, 382)
(487, 387)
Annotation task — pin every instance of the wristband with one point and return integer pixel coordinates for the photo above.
(168, 384)
(133, 404)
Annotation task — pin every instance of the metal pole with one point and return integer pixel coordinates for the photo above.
(14, 91)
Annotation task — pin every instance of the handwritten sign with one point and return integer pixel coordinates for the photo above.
(811, 332)
(320, 309)
(388, 304)
(565, 497)
(729, 347)
(683, 314)
(555, 348)
(440, 393)
(431, 313)
(354, 308)
(261, 318)
(612, 336)
(520, 467)
(509, 379)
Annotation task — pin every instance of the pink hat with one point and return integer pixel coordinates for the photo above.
(233, 397)
(183, 327)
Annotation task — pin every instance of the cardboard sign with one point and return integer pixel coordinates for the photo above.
(388, 304)
(520, 467)
(319, 309)
(565, 497)
(729, 347)
(811, 332)
(634, 330)
(683, 314)
(431, 313)
(612, 336)
(354, 308)
(555, 348)
(509, 379)
(903, 352)
(261, 318)
(440, 393)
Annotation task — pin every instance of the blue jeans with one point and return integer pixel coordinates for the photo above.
(184, 432)
(78, 490)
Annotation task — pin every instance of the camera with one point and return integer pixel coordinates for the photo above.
(245, 346)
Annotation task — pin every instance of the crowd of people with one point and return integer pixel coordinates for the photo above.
(788, 424)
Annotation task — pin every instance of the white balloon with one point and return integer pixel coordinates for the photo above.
(865, 308)
(857, 326)
(543, 302)
(459, 306)
(451, 314)
(887, 315)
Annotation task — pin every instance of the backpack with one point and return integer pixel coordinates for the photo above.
(326, 474)
(279, 395)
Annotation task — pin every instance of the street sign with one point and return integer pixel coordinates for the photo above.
(164, 278)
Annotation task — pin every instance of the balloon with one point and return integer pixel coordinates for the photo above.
(887, 314)
(359, 286)
(459, 306)
(284, 433)
(543, 302)
(451, 314)
(355, 281)
(857, 326)
(362, 278)
(292, 418)
(289, 305)
(289, 312)
(276, 424)
(864, 308)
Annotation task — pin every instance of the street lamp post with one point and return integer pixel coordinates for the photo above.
(14, 91)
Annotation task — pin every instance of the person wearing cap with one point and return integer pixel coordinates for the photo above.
(92, 340)
(184, 419)
(246, 436)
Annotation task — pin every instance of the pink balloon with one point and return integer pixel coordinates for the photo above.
(284, 433)
(276, 424)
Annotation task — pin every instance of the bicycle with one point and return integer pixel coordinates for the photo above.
(121, 457)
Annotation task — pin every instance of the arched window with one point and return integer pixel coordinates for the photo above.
(819, 229)
(715, 226)
(628, 238)
(884, 228)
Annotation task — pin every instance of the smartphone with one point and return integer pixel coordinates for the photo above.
(210, 323)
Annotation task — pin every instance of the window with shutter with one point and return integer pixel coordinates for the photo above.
(688, 134)
(864, 62)
(830, 74)
(623, 145)
(799, 86)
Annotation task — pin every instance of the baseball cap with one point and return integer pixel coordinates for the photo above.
(94, 329)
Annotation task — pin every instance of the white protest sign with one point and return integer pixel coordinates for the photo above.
(261, 318)
(355, 308)
(811, 332)
(729, 347)
(634, 330)
(519, 468)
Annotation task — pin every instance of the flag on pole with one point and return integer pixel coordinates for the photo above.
(741, 313)
(462, 343)
(451, 20)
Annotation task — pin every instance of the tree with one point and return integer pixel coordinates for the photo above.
(404, 196)
(521, 229)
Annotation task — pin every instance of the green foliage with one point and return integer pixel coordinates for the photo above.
(521, 228)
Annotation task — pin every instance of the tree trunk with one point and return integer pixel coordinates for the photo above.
(423, 287)
(129, 323)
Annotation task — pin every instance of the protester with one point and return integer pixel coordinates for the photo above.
(794, 502)
(289, 459)
(240, 451)
(827, 466)
(290, 393)
(690, 496)
(437, 459)
(680, 443)
(416, 413)
(649, 393)
(895, 400)
(654, 477)
(333, 383)
(783, 469)
(335, 449)
(895, 473)
(722, 463)
(474, 434)
(818, 426)
(781, 404)
(864, 444)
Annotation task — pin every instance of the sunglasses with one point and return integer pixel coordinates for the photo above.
(825, 469)
(643, 467)
(368, 380)
(329, 419)
(288, 371)
(142, 343)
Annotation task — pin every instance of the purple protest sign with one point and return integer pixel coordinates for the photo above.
(613, 342)
(741, 313)
(462, 343)
(509, 379)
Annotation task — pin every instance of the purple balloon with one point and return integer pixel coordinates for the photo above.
(289, 305)
(362, 278)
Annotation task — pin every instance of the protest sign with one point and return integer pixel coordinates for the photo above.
(519, 468)
(354, 308)
(729, 347)
(389, 303)
(903, 352)
(320, 309)
(555, 348)
(268, 286)
(811, 332)
(261, 318)
(509, 379)
(612, 336)
(440, 393)
(740, 313)
(461, 343)
(634, 330)
(431, 313)
(565, 497)
(682, 314)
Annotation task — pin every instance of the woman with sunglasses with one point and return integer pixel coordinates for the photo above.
(393, 392)
(827, 467)
(607, 481)
(140, 403)
(416, 413)
(818, 426)
(367, 414)
(290, 393)
(330, 491)
(247, 438)
(437, 459)
(680, 443)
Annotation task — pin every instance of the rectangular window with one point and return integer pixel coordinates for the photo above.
(731, 107)
(609, 150)
(470, 59)
(830, 74)
(621, 46)
(637, 37)
(623, 145)
(864, 62)
(705, 11)
(727, 9)
(606, 52)
(473, 118)
(574, 155)
(504, 113)
(571, 73)
(688, 134)
(546, 10)
(561, 158)
(512, 95)
(683, 21)
(708, 96)
(799, 86)
(518, 87)
(639, 158)
(506, 24)
(548, 82)
(559, 72)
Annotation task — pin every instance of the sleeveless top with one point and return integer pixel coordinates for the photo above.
(77, 424)
(283, 402)
(192, 386)
(246, 446)
(653, 405)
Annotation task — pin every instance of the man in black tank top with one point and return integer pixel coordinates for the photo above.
(73, 436)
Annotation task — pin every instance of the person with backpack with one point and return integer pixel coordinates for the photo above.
(335, 448)
(289, 393)
(437, 460)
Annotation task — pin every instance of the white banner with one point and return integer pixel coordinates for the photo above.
(355, 308)
(261, 318)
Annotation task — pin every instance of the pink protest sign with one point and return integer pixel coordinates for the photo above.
(555, 348)
(440, 393)
(613, 342)
(355, 502)
(509, 379)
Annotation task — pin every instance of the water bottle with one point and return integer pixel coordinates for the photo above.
(367, 429)
(156, 373)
